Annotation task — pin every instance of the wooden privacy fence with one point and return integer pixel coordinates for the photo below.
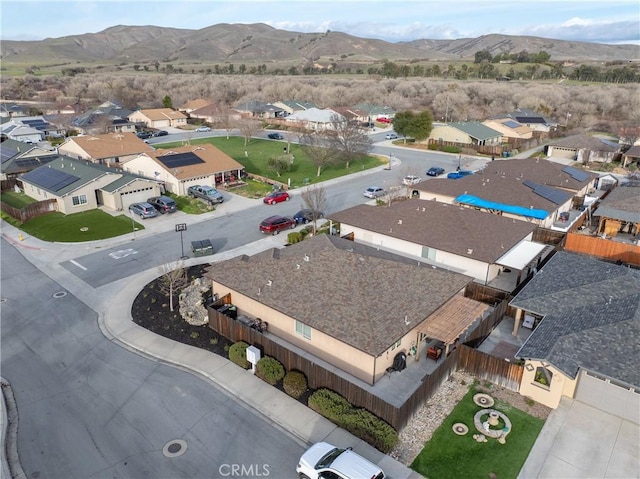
(546, 236)
(490, 368)
(605, 249)
(30, 211)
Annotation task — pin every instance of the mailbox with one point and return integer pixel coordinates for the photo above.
(253, 356)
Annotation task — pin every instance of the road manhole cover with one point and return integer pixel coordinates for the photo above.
(174, 448)
(59, 294)
(3, 300)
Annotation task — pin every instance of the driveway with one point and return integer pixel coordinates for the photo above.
(579, 441)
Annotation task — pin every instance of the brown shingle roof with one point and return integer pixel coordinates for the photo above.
(351, 292)
(458, 230)
(215, 161)
(502, 182)
(584, 141)
(111, 145)
(157, 114)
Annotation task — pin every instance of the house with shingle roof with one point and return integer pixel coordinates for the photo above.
(18, 157)
(159, 118)
(185, 166)
(530, 190)
(619, 212)
(106, 149)
(465, 132)
(632, 155)
(17, 130)
(259, 109)
(510, 129)
(79, 185)
(532, 119)
(585, 315)
(315, 119)
(109, 117)
(292, 106)
(448, 236)
(584, 149)
(348, 304)
(215, 113)
(191, 105)
(372, 112)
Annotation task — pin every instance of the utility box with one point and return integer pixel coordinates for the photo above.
(201, 248)
(253, 356)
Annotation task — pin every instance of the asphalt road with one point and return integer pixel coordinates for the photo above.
(89, 408)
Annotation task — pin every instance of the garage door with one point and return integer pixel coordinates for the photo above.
(608, 396)
(137, 196)
(559, 152)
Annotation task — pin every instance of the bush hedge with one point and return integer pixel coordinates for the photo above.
(357, 421)
(295, 384)
(238, 354)
(294, 237)
(270, 370)
(445, 148)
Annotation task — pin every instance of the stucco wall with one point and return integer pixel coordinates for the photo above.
(447, 133)
(561, 385)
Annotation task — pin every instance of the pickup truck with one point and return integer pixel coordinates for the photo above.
(207, 193)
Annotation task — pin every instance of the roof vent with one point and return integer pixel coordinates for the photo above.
(269, 283)
(259, 291)
(469, 251)
(297, 266)
(306, 257)
(399, 222)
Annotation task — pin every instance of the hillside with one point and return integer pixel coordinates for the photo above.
(260, 43)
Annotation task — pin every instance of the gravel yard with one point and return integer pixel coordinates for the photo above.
(427, 419)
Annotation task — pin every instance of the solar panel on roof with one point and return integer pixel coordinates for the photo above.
(526, 119)
(50, 178)
(555, 196)
(7, 153)
(512, 124)
(37, 124)
(576, 174)
(180, 159)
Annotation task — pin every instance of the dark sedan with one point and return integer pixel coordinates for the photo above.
(435, 171)
(306, 215)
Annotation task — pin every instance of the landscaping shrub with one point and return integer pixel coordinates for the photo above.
(295, 384)
(294, 237)
(357, 421)
(270, 370)
(238, 354)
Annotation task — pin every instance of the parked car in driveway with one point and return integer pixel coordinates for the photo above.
(391, 136)
(323, 460)
(374, 192)
(207, 193)
(435, 171)
(203, 128)
(163, 204)
(143, 210)
(307, 215)
(276, 197)
(456, 175)
(274, 224)
(384, 120)
(276, 136)
(411, 180)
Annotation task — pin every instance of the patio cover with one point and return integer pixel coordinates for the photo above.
(521, 255)
(449, 322)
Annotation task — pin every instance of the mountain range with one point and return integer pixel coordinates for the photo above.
(260, 43)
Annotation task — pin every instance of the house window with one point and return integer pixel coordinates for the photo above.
(79, 200)
(397, 345)
(303, 330)
(543, 377)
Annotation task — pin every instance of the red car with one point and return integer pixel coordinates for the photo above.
(274, 224)
(276, 197)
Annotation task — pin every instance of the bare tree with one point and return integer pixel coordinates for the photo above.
(349, 138)
(314, 197)
(278, 164)
(317, 146)
(173, 277)
(248, 128)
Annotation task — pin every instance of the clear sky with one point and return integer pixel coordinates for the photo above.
(603, 21)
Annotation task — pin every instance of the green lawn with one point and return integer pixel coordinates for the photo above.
(71, 228)
(259, 151)
(450, 455)
(17, 200)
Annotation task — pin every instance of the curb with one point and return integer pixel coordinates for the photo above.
(11, 467)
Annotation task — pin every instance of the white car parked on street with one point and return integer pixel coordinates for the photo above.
(322, 460)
